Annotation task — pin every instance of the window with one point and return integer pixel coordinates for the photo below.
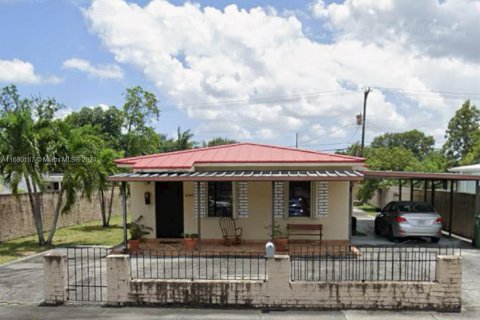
(220, 199)
(299, 199)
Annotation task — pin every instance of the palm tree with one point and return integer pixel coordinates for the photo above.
(19, 145)
(184, 141)
(77, 150)
(105, 169)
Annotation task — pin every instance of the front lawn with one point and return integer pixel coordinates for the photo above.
(83, 234)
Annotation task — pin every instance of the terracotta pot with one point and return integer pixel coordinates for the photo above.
(133, 245)
(190, 244)
(281, 244)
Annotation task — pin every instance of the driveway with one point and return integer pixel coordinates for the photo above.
(21, 281)
(366, 235)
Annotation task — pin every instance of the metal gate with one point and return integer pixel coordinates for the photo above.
(86, 273)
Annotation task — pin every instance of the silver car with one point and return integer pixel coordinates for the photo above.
(401, 219)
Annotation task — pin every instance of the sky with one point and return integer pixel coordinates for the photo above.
(258, 71)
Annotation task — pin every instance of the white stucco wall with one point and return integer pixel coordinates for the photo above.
(138, 207)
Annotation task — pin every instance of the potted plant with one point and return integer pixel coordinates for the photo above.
(190, 241)
(280, 237)
(138, 231)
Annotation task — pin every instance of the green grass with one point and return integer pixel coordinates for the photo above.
(368, 209)
(91, 233)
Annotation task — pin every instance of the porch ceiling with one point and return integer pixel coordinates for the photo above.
(268, 175)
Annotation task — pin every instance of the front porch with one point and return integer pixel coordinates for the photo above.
(250, 246)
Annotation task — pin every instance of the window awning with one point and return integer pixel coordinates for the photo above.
(264, 175)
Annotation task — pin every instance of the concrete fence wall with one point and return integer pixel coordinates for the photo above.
(463, 221)
(276, 292)
(17, 220)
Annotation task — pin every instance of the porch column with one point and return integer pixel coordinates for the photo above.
(124, 214)
(450, 214)
(199, 229)
(350, 210)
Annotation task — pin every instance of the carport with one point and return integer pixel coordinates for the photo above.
(446, 179)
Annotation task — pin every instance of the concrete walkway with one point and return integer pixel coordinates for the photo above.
(97, 312)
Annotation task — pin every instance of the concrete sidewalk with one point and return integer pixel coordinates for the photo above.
(98, 312)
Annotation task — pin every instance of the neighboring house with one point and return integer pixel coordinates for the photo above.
(52, 183)
(252, 183)
(466, 186)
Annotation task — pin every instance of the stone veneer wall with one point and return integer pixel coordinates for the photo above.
(279, 292)
(16, 216)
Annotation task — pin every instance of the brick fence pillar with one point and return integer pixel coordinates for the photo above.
(449, 278)
(278, 279)
(118, 279)
(55, 278)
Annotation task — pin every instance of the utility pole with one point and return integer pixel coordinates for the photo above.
(296, 140)
(364, 119)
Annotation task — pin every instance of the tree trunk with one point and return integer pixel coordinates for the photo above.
(56, 214)
(36, 210)
(110, 205)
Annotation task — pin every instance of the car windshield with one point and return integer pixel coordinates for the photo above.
(415, 207)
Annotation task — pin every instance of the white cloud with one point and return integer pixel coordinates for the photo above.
(436, 28)
(17, 71)
(257, 72)
(107, 71)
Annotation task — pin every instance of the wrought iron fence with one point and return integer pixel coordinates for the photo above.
(367, 263)
(86, 273)
(192, 265)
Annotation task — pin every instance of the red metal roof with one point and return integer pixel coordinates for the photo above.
(240, 153)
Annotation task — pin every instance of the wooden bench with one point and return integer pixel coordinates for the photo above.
(304, 230)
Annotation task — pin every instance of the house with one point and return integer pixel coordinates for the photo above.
(466, 186)
(52, 184)
(188, 191)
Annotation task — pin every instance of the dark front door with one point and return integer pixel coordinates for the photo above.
(169, 209)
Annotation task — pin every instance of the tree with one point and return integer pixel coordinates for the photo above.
(353, 150)
(19, 149)
(106, 168)
(108, 122)
(139, 109)
(218, 141)
(184, 140)
(33, 143)
(414, 140)
(393, 159)
(76, 149)
(462, 131)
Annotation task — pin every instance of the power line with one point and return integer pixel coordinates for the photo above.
(260, 100)
(413, 91)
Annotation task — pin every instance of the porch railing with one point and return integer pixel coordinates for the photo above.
(366, 263)
(193, 265)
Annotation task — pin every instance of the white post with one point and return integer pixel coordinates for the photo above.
(55, 279)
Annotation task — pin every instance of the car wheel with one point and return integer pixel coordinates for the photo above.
(390, 236)
(377, 229)
(435, 239)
